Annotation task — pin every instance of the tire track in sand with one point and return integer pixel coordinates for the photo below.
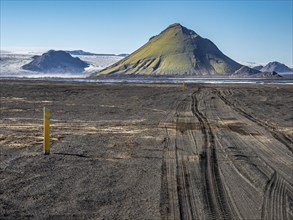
(180, 176)
(175, 195)
(215, 195)
(279, 136)
(277, 203)
(191, 181)
(278, 192)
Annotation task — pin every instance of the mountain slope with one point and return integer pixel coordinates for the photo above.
(277, 67)
(176, 50)
(259, 67)
(245, 71)
(56, 62)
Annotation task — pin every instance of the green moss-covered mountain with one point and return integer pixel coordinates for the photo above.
(176, 50)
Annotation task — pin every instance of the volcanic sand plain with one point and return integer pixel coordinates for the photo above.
(137, 151)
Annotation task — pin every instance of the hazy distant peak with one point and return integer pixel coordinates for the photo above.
(274, 62)
(55, 51)
(277, 67)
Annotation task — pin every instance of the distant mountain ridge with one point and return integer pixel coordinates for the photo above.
(247, 72)
(277, 67)
(56, 62)
(175, 51)
(269, 67)
(84, 53)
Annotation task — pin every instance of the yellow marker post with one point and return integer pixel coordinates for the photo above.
(46, 131)
(183, 86)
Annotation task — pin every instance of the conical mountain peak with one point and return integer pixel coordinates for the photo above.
(177, 28)
(174, 25)
(176, 50)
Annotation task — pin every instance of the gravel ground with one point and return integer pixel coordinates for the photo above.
(130, 151)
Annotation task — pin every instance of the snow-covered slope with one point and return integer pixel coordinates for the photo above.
(11, 65)
(56, 61)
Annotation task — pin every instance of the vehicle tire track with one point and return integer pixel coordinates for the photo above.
(180, 174)
(277, 135)
(277, 196)
(201, 182)
(215, 193)
(183, 180)
(278, 192)
(176, 194)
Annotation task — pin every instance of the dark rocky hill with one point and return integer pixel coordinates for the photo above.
(56, 62)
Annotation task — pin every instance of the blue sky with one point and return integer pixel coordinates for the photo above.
(259, 31)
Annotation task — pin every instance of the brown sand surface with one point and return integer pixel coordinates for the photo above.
(130, 151)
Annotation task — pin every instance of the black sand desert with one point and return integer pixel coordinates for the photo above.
(129, 151)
